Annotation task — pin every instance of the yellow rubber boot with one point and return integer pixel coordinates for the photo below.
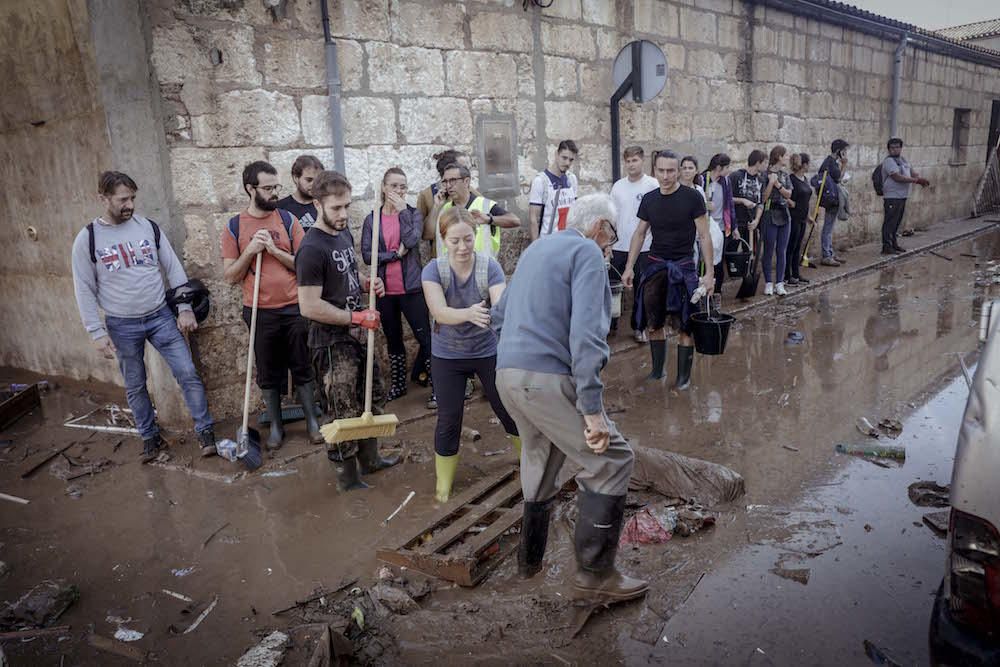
(444, 468)
(517, 445)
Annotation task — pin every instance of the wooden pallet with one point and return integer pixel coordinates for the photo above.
(448, 548)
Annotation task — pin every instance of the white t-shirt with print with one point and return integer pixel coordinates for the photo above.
(543, 193)
(627, 195)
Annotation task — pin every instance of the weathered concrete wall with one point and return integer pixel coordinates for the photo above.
(53, 143)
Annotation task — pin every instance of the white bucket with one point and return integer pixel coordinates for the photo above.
(617, 288)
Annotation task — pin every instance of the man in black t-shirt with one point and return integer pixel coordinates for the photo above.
(675, 214)
(300, 203)
(330, 296)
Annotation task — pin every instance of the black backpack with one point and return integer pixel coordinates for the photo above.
(93, 244)
(877, 178)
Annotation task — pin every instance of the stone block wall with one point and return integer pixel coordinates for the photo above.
(237, 84)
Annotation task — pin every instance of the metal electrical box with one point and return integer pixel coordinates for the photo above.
(496, 145)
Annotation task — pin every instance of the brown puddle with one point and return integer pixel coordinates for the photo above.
(878, 346)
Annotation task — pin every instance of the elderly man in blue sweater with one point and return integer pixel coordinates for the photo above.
(554, 320)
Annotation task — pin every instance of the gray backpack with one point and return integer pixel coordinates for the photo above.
(482, 275)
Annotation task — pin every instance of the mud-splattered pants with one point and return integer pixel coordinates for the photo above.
(340, 374)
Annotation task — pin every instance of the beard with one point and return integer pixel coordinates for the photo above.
(268, 204)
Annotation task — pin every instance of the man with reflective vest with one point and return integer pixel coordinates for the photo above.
(492, 217)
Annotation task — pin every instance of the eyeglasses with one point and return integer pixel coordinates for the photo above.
(448, 182)
(611, 231)
(269, 189)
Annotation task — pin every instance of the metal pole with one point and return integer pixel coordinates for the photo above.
(334, 87)
(632, 82)
(897, 84)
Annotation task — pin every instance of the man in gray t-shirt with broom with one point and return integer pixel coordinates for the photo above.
(117, 261)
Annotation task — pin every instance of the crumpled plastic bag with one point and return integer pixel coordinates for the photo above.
(644, 528)
(677, 476)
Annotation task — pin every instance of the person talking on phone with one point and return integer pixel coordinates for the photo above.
(490, 217)
(833, 166)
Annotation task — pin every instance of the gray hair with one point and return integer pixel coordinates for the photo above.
(463, 171)
(587, 210)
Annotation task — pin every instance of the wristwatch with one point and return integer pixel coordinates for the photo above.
(490, 218)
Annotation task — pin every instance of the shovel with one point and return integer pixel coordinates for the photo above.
(248, 439)
(805, 261)
(368, 425)
(748, 287)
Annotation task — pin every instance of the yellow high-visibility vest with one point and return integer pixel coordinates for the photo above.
(485, 241)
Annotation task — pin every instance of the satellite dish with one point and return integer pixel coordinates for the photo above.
(653, 70)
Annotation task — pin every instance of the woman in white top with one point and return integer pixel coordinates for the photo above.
(688, 176)
(720, 204)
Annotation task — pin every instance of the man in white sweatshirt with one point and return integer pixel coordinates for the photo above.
(117, 262)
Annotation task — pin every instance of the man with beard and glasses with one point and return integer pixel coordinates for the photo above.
(119, 263)
(300, 203)
(280, 345)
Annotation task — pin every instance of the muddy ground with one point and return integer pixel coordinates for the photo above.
(881, 345)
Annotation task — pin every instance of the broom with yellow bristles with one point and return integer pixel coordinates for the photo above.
(367, 425)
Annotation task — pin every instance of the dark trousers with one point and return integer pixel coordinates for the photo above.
(775, 245)
(280, 346)
(449, 388)
(794, 261)
(619, 259)
(894, 209)
(414, 309)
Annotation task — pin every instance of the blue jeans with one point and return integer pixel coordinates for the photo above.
(826, 237)
(129, 334)
(775, 245)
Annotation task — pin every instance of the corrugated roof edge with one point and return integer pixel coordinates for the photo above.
(839, 12)
(988, 28)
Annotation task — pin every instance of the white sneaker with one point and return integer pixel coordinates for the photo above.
(768, 289)
(640, 337)
(779, 289)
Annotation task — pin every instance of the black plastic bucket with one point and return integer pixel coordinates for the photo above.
(737, 257)
(710, 331)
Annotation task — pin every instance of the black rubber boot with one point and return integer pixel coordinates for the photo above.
(206, 440)
(598, 527)
(685, 360)
(272, 399)
(534, 535)
(397, 377)
(658, 351)
(369, 459)
(307, 397)
(349, 477)
(150, 448)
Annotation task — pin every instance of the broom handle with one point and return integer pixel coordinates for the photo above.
(370, 362)
(253, 336)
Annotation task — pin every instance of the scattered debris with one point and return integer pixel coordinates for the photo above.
(182, 598)
(183, 571)
(126, 635)
(116, 420)
(891, 427)
(281, 473)
(202, 616)
(929, 494)
(314, 598)
(403, 504)
(872, 449)
(865, 427)
(495, 452)
(939, 255)
(692, 519)
(790, 448)
(227, 449)
(41, 606)
(644, 528)
(938, 522)
(878, 655)
(209, 538)
(798, 574)
(117, 648)
(14, 499)
(868, 528)
(395, 599)
(35, 632)
(795, 338)
(268, 653)
(471, 434)
(676, 476)
(967, 254)
(42, 459)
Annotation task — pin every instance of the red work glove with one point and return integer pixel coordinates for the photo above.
(367, 319)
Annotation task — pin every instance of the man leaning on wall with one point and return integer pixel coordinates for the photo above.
(117, 261)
